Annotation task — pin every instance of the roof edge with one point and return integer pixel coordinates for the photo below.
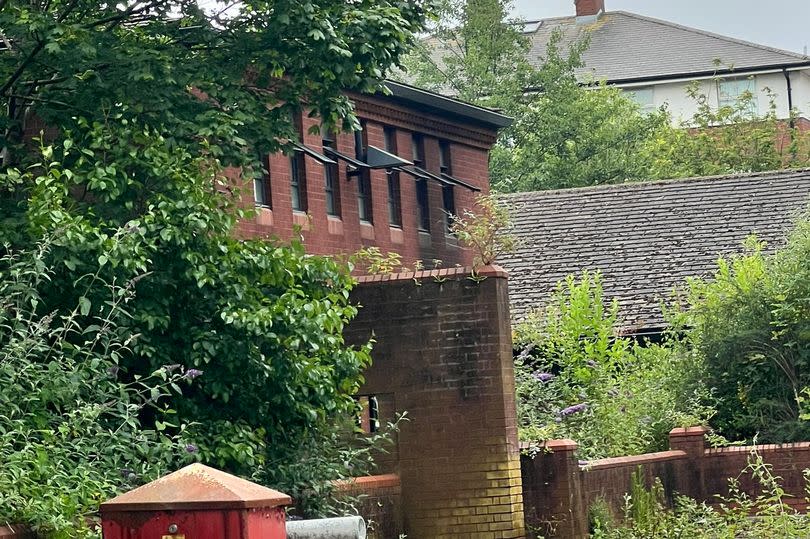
(649, 183)
(420, 96)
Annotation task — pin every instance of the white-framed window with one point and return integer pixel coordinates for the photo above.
(644, 97)
(731, 91)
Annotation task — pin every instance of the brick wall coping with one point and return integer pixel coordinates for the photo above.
(765, 448)
(619, 462)
(443, 273)
(369, 482)
(551, 445)
(688, 432)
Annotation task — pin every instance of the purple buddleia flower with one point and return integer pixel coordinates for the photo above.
(542, 376)
(592, 363)
(525, 352)
(191, 448)
(191, 374)
(575, 409)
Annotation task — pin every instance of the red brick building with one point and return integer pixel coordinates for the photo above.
(337, 189)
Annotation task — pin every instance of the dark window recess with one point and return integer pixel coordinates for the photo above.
(261, 184)
(418, 150)
(449, 202)
(369, 417)
(364, 208)
(445, 161)
(422, 205)
(298, 181)
(394, 194)
(331, 175)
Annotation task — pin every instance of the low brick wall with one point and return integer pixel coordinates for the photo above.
(558, 489)
(15, 532)
(380, 504)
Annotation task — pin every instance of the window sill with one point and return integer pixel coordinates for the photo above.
(264, 215)
(366, 230)
(301, 219)
(397, 236)
(334, 225)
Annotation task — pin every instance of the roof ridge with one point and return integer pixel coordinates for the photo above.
(707, 33)
(659, 183)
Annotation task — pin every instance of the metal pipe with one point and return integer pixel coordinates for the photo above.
(789, 96)
(327, 528)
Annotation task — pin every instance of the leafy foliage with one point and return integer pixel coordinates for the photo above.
(751, 326)
(475, 52)
(147, 104)
(577, 379)
(70, 431)
(728, 139)
(484, 230)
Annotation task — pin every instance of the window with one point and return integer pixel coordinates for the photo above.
(394, 197)
(449, 203)
(331, 175)
(738, 92)
(364, 209)
(445, 162)
(644, 97)
(422, 201)
(298, 181)
(422, 206)
(368, 420)
(418, 150)
(261, 184)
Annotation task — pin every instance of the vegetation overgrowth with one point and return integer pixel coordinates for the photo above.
(576, 378)
(734, 359)
(146, 105)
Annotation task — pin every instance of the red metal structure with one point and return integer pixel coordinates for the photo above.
(196, 502)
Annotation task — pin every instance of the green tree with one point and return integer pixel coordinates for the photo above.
(475, 52)
(565, 134)
(146, 103)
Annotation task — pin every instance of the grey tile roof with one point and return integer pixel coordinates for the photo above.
(645, 238)
(626, 46)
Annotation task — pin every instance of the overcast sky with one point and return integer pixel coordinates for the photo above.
(779, 23)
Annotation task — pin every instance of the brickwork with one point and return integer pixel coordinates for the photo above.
(379, 502)
(324, 234)
(443, 351)
(558, 490)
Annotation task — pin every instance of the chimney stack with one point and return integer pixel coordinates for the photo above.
(589, 10)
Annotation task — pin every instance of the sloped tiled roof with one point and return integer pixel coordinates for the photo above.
(645, 238)
(626, 46)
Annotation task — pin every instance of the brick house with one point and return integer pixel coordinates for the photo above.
(347, 191)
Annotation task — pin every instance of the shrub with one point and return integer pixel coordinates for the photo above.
(751, 325)
(70, 428)
(576, 378)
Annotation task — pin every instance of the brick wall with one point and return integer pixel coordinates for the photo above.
(323, 234)
(558, 490)
(443, 353)
(379, 502)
